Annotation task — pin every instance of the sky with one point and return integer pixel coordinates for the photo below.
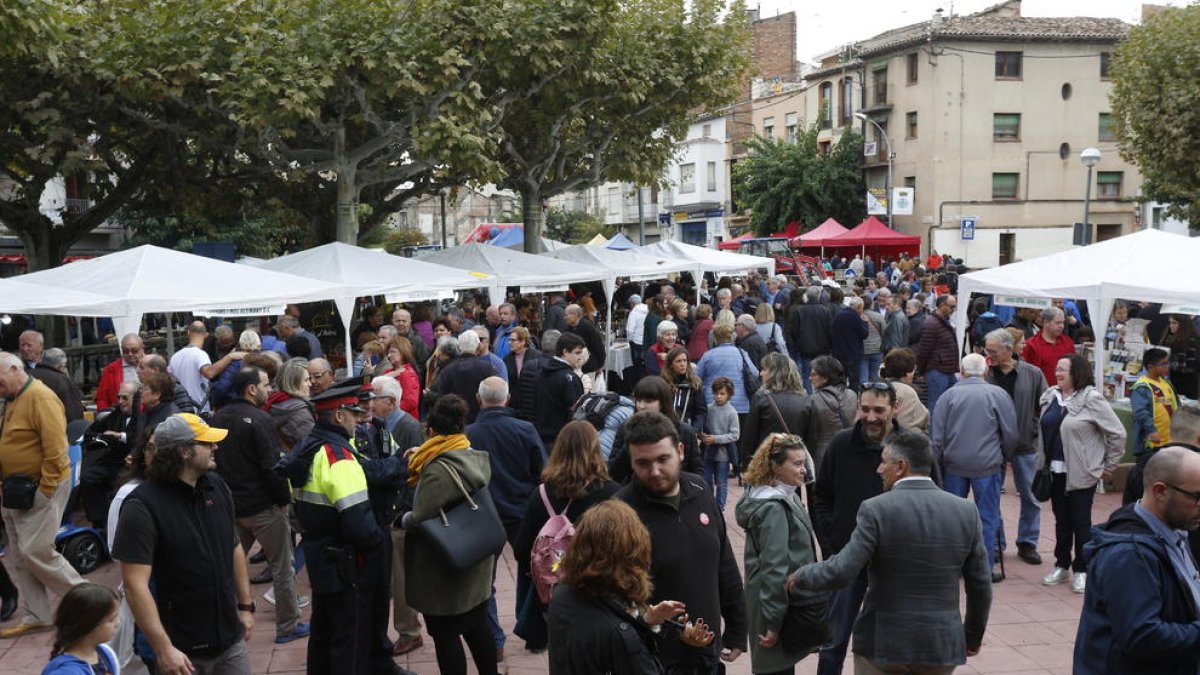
(824, 25)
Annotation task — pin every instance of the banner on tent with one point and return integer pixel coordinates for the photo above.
(228, 312)
(544, 288)
(1193, 310)
(419, 295)
(1020, 301)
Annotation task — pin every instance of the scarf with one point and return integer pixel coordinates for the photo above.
(430, 449)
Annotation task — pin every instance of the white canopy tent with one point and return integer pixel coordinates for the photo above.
(710, 259)
(149, 279)
(22, 297)
(637, 264)
(506, 267)
(367, 271)
(1125, 267)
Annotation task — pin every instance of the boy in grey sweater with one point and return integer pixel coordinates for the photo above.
(720, 437)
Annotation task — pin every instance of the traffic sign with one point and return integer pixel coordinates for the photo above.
(967, 227)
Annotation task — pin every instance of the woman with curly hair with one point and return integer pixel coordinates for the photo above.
(603, 594)
(779, 539)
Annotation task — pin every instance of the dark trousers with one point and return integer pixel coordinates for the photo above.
(844, 605)
(471, 626)
(1072, 522)
(350, 628)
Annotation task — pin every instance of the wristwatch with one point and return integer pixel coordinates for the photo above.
(247, 608)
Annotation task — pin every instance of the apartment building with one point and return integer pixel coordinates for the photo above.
(465, 208)
(986, 115)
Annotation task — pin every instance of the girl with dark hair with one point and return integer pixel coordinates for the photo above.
(1181, 337)
(603, 594)
(454, 603)
(686, 387)
(653, 393)
(86, 619)
(1083, 440)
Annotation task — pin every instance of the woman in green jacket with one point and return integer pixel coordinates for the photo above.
(779, 540)
(454, 603)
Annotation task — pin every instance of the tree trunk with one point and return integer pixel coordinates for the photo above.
(44, 248)
(347, 207)
(533, 216)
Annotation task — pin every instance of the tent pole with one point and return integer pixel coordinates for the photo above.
(170, 335)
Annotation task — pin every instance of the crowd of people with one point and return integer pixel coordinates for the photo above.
(847, 412)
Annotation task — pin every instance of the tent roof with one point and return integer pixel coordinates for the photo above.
(21, 297)
(374, 269)
(533, 273)
(620, 242)
(872, 232)
(511, 236)
(709, 259)
(637, 263)
(735, 243)
(150, 279)
(1117, 268)
(597, 240)
(820, 234)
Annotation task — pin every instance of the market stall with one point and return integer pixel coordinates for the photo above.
(1149, 265)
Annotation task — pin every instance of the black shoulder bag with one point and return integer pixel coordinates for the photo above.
(805, 626)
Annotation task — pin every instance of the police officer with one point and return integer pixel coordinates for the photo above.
(348, 553)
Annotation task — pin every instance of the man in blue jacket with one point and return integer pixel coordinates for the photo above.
(849, 331)
(1141, 609)
(517, 456)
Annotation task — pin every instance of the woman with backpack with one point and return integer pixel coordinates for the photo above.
(574, 479)
(769, 330)
(653, 393)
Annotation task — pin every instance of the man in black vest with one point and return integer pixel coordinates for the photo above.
(178, 526)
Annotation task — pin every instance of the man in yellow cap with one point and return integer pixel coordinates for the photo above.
(178, 526)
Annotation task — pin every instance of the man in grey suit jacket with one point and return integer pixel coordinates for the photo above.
(916, 541)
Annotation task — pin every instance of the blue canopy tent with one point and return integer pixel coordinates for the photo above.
(620, 242)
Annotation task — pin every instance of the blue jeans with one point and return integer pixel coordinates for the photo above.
(717, 475)
(936, 383)
(1029, 523)
(868, 368)
(844, 605)
(987, 499)
(805, 366)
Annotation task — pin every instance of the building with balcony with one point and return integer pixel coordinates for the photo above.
(986, 115)
(465, 208)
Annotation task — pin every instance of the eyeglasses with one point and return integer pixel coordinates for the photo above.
(123, 397)
(875, 386)
(323, 373)
(1194, 495)
(131, 352)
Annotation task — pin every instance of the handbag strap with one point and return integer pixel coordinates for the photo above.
(462, 488)
(778, 414)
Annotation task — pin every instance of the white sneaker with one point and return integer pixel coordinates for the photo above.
(1058, 576)
(1080, 582)
(302, 601)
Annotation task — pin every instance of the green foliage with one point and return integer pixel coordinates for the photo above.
(574, 227)
(397, 240)
(618, 110)
(266, 234)
(1156, 106)
(783, 182)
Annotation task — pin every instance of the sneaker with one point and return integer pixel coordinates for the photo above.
(1058, 576)
(302, 601)
(300, 631)
(1080, 582)
(1028, 553)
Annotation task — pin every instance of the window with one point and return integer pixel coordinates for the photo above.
(1004, 185)
(712, 176)
(1105, 59)
(769, 127)
(879, 80)
(825, 102)
(687, 178)
(910, 182)
(846, 116)
(914, 62)
(1107, 131)
(1108, 184)
(614, 200)
(910, 125)
(823, 147)
(789, 121)
(881, 146)
(1008, 247)
(706, 131)
(1006, 127)
(1008, 65)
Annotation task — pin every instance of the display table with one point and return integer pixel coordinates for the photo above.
(619, 357)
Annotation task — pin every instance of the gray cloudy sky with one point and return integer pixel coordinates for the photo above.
(824, 25)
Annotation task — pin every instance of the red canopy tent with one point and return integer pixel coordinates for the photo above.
(817, 237)
(873, 234)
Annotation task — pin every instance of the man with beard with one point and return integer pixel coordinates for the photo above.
(691, 560)
(846, 478)
(1140, 608)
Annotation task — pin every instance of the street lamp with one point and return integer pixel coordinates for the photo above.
(1090, 158)
(887, 144)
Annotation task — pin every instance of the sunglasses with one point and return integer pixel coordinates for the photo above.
(875, 386)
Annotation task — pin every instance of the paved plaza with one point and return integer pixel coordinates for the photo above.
(1032, 627)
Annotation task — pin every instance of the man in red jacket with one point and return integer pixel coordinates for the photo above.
(1051, 344)
(124, 369)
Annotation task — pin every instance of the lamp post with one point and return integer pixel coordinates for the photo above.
(1090, 158)
(887, 144)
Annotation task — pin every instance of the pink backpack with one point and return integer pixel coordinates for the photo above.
(549, 548)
